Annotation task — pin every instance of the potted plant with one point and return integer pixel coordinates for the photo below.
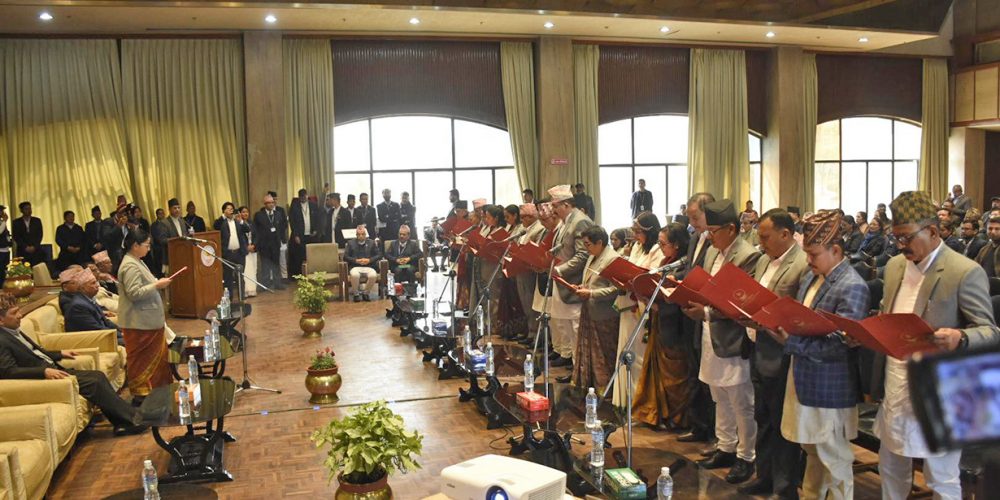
(311, 297)
(19, 282)
(322, 379)
(365, 447)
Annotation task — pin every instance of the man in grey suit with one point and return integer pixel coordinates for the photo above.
(404, 256)
(565, 306)
(176, 227)
(951, 293)
(780, 269)
(961, 200)
(724, 351)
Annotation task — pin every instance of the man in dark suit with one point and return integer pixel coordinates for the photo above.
(272, 231)
(972, 240)
(853, 240)
(193, 219)
(93, 231)
(234, 245)
(81, 312)
(176, 227)
(390, 216)
(21, 358)
(584, 201)
(335, 219)
(407, 210)
(365, 214)
(305, 219)
(5, 244)
(642, 200)
(27, 231)
(437, 244)
(114, 238)
(71, 240)
(404, 256)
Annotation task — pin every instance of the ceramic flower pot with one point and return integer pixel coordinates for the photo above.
(379, 490)
(19, 287)
(312, 325)
(323, 385)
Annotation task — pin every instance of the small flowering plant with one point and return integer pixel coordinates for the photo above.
(18, 268)
(323, 360)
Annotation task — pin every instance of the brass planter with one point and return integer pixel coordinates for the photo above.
(312, 325)
(379, 490)
(20, 287)
(323, 385)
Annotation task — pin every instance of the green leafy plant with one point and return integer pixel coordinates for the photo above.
(323, 360)
(311, 294)
(368, 443)
(18, 268)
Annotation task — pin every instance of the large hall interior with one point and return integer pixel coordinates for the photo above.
(414, 249)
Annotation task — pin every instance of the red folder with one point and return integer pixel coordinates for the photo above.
(454, 225)
(559, 279)
(495, 246)
(733, 292)
(688, 290)
(896, 335)
(513, 267)
(531, 255)
(475, 241)
(794, 318)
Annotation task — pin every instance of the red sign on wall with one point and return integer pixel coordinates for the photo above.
(559, 161)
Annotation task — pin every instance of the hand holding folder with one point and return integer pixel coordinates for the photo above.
(735, 293)
(896, 335)
(687, 290)
(793, 317)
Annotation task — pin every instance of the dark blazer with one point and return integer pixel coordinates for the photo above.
(196, 223)
(335, 220)
(586, 203)
(642, 201)
(955, 244)
(93, 232)
(729, 338)
(271, 231)
(66, 237)
(113, 240)
(769, 358)
(30, 236)
(17, 361)
(875, 246)
(297, 221)
(973, 246)
(358, 250)
(366, 216)
(390, 215)
(222, 227)
(84, 315)
(396, 250)
(853, 242)
(408, 213)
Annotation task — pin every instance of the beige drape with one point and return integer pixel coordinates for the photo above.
(585, 61)
(517, 72)
(933, 176)
(717, 139)
(308, 67)
(810, 93)
(63, 146)
(183, 102)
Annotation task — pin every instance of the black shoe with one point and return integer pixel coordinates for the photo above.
(564, 380)
(741, 471)
(708, 451)
(693, 437)
(366, 297)
(756, 487)
(718, 460)
(553, 356)
(130, 430)
(357, 298)
(561, 361)
(435, 270)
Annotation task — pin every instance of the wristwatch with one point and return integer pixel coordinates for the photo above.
(963, 343)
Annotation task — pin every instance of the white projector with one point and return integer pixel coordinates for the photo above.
(494, 477)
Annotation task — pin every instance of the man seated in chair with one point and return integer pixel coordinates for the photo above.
(404, 256)
(437, 244)
(78, 301)
(362, 256)
(22, 358)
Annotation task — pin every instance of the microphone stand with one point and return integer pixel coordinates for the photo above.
(247, 383)
(485, 295)
(625, 360)
(544, 329)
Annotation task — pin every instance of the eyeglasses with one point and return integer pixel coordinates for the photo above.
(906, 239)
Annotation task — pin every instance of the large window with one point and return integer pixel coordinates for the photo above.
(425, 156)
(653, 148)
(864, 161)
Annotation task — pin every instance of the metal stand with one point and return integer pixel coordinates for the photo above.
(625, 360)
(544, 329)
(484, 295)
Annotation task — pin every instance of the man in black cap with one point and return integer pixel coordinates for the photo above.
(27, 232)
(5, 244)
(93, 231)
(453, 199)
(725, 348)
(796, 215)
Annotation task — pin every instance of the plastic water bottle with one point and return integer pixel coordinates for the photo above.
(480, 327)
(192, 372)
(664, 485)
(209, 346)
(150, 483)
(592, 401)
(490, 366)
(529, 374)
(224, 305)
(390, 282)
(467, 338)
(597, 452)
(183, 405)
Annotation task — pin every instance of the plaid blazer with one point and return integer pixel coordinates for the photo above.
(826, 371)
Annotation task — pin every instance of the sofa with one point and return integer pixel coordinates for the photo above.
(29, 451)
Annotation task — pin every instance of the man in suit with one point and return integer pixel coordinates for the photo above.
(5, 244)
(114, 237)
(234, 245)
(952, 295)
(174, 226)
(949, 234)
(642, 200)
(77, 301)
(961, 200)
(724, 349)
(407, 211)
(780, 269)
(404, 256)
(389, 216)
(584, 201)
(93, 231)
(528, 196)
(437, 245)
(27, 232)
(22, 358)
(337, 218)
(565, 305)
(362, 256)
(820, 410)
(193, 219)
(988, 256)
(304, 218)
(994, 205)
(854, 237)
(452, 198)
(972, 241)
(365, 214)
(272, 230)
(71, 241)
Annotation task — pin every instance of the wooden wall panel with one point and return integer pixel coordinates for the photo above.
(965, 95)
(852, 85)
(642, 80)
(987, 85)
(265, 115)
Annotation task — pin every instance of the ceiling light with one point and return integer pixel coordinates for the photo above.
(863, 39)
(548, 25)
(770, 34)
(414, 21)
(542, 12)
(665, 29)
(271, 19)
(45, 16)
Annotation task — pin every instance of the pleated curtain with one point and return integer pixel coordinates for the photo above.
(517, 74)
(807, 172)
(933, 170)
(585, 62)
(183, 103)
(308, 69)
(718, 147)
(62, 145)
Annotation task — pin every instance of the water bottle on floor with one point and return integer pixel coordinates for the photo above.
(183, 405)
(390, 283)
(224, 304)
(664, 485)
(529, 374)
(467, 339)
(192, 372)
(591, 416)
(490, 366)
(597, 438)
(150, 483)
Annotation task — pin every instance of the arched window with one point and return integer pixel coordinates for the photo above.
(864, 161)
(425, 156)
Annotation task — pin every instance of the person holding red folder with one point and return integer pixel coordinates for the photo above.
(951, 294)
(595, 355)
(572, 255)
(531, 231)
(821, 395)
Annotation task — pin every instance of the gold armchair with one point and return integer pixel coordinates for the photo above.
(28, 447)
(69, 412)
(383, 265)
(325, 258)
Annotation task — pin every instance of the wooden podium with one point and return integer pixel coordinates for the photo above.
(197, 290)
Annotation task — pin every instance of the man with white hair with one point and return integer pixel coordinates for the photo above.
(80, 309)
(565, 304)
(362, 256)
(272, 231)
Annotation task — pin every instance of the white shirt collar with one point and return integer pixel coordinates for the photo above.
(926, 263)
(781, 259)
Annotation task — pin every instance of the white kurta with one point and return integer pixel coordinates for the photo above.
(557, 308)
(716, 371)
(630, 318)
(810, 424)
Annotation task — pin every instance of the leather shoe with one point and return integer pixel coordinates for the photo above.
(554, 356)
(708, 451)
(130, 430)
(564, 379)
(741, 471)
(693, 437)
(561, 361)
(756, 487)
(718, 460)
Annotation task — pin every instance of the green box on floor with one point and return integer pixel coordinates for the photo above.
(625, 484)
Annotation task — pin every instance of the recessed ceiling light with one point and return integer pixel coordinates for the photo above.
(548, 25)
(770, 34)
(863, 39)
(665, 29)
(271, 19)
(45, 16)
(414, 21)
(542, 12)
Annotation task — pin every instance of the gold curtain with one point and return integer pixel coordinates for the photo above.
(585, 61)
(183, 102)
(308, 67)
(718, 147)
(517, 72)
(810, 94)
(933, 176)
(61, 128)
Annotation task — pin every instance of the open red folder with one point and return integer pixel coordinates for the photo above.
(688, 290)
(514, 267)
(896, 335)
(795, 318)
(559, 279)
(495, 246)
(733, 292)
(455, 225)
(530, 255)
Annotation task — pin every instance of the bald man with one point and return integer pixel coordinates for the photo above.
(272, 232)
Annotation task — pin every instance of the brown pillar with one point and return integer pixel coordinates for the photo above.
(556, 115)
(783, 151)
(265, 116)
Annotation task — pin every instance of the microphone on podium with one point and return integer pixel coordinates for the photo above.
(196, 240)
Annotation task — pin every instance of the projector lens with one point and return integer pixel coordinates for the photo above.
(496, 493)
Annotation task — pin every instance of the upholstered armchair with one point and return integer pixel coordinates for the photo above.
(325, 258)
(29, 448)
